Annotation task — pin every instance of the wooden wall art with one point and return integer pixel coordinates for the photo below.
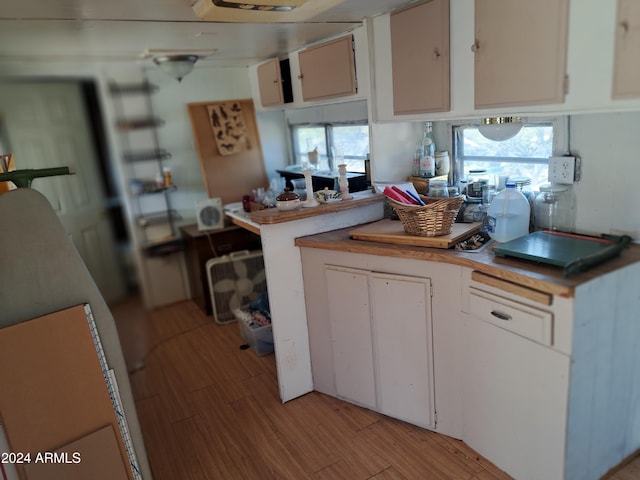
(229, 128)
(229, 149)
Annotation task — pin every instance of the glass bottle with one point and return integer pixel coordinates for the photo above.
(428, 162)
(417, 157)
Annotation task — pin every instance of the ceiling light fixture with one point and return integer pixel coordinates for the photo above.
(262, 11)
(500, 128)
(277, 6)
(177, 66)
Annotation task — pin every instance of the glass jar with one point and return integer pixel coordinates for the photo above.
(442, 163)
(554, 208)
(462, 186)
(488, 192)
(523, 185)
(438, 188)
(299, 187)
(471, 211)
(477, 179)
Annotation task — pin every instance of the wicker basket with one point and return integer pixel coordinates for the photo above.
(431, 220)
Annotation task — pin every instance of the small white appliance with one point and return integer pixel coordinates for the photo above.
(209, 214)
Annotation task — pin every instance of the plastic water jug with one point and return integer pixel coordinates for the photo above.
(508, 215)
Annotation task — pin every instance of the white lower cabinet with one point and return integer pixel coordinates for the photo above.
(401, 317)
(351, 335)
(545, 386)
(382, 344)
(514, 397)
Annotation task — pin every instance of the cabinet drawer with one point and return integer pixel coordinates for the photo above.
(528, 322)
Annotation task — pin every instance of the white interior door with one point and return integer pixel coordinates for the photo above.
(47, 126)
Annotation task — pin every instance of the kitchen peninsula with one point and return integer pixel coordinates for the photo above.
(535, 371)
(278, 231)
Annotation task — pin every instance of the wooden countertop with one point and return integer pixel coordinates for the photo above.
(273, 215)
(544, 278)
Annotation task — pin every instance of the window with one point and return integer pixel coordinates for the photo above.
(336, 143)
(525, 155)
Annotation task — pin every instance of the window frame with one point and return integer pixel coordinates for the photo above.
(560, 143)
(329, 127)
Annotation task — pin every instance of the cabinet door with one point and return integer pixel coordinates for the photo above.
(328, 70)
(420, 58)
(404, 352)
(349, 319)
(270, 83)
(520, 52)
(626, 74)
(514, 399)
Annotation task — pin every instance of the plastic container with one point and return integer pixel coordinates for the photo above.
(554, 208)
(508, 215)
(259, 338)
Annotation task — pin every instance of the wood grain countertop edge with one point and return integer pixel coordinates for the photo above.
(273, 215)
(526, 273)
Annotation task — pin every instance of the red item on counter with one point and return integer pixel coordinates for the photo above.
(405, 195)
(392, 194)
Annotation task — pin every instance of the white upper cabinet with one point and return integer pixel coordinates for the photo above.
(328, 70)
(270, 83)
(531, 57)
(420, 58)
(333, 71)
(520, 52)
(626, 74)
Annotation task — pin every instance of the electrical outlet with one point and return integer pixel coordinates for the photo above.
(562, 170)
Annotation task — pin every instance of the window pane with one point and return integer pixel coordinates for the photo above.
(308, 138)
(305, 140)
(524, 155)
(533, 141)
(354, 142)
(535, 171)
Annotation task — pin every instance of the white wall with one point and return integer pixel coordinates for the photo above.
(275, 140)
(176, 136)
(606, 142)
(607, 194)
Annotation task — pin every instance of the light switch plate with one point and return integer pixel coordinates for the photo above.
(562, 170)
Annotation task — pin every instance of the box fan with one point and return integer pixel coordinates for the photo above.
(235, 280)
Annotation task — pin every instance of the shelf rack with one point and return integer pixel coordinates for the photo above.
(138, 159)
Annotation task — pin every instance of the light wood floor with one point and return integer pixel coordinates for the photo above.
(211, 411)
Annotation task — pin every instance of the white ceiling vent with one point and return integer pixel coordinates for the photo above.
(261, 11)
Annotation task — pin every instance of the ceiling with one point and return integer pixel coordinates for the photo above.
(123, 30)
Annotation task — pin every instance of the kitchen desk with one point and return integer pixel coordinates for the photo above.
(278, 231)
(204, 245)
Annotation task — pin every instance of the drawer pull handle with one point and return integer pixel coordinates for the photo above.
(501, 316)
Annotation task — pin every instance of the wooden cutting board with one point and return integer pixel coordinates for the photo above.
(392, 231)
